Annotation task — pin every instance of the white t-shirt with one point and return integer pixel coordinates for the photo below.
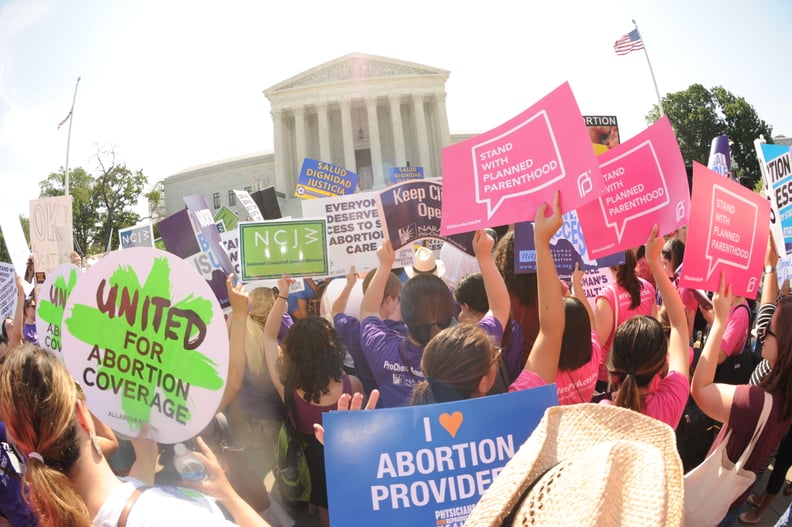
(161, 507)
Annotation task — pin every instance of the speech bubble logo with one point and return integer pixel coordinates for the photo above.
(732, 229)
(634, 187)
(503, 167)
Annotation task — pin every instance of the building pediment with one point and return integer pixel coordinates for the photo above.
(355, 67)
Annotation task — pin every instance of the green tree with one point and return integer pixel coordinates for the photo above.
(116, 191)
(100, 204)
(85, 214)
(698, 115)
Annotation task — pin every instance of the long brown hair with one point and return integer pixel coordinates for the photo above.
(626, 277)
(38, 401)
(779, 381)
(638, 354)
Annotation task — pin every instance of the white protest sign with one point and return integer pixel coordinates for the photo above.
(253, 212)
(51, 236)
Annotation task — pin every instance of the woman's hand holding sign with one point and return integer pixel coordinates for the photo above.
(349, 402)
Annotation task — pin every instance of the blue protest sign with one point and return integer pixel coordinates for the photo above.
(321, 180)
(424, 465)
(399, 174)
(567, 246)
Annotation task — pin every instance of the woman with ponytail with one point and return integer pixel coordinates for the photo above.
(629, 297)
(640, 353)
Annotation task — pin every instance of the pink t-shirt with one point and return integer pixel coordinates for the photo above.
(688, 298)
(736, 330)
(624, 312)
(667, 400)
(573, 386)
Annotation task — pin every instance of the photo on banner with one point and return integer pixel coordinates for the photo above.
(137, 236)
(502, 176)
(269, 249)
(52, 298)
(731, 224)
(424, 465)
(604, 132)
(411, 211)
(776, 164)
(146, 340)
(568, 247)
(51, 234)
(321, 180)
(645, 184)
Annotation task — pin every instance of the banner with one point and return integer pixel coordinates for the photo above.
(51, 233)
(776, 164)
(731, 224)
(567, 246)
(146, 340)
(320, 180)
(645, 184)
(230, 242)
(411, 211)
(210, 237)
(227, 217)
(295, 247)
(137, 236)
(604, 132)
(424, 465)
(400, 174)
(502, 176)
(52, 299)
(9, 296)
(182, 238)
(245, 199)
(720, 156)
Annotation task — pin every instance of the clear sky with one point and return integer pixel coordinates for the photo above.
(172, 84)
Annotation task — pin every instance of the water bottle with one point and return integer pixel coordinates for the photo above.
(189, 466)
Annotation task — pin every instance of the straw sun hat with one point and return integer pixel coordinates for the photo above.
(586, 465)
(425, 263)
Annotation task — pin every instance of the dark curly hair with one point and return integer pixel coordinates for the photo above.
(313, 355)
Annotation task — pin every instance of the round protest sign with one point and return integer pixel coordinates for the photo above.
(145, 338)
(52, 299)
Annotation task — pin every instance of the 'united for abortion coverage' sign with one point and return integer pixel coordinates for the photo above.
(645, 184)
(52, 298)
(502, 176)
(320, 180)
(146, 340)
(731, 223)
(776, 164)
(295, 247)
(424, 465)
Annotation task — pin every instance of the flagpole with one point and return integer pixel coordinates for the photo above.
(659, 100)
(68, 138)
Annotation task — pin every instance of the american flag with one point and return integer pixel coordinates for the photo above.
(629, 42)
(64, 120)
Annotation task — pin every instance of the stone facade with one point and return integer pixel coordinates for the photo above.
(363, 112)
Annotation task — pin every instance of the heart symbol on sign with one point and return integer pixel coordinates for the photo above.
(451, 422)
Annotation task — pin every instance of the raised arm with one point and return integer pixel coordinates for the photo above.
(497, 294)
(237, 331)
(372, 298)
(678, 343)
(15, 337)
(714, 399)
(577, 292)
(271, 328)
(546, 350)
(770, 282)
(339, 305)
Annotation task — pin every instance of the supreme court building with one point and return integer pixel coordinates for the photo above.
(363, 112)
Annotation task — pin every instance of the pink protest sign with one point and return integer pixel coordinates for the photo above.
(645, 183)
(727, 233)
(529, 157)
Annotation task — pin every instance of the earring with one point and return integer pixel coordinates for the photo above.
(96, 445)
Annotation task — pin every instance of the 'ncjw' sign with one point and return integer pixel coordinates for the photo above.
(294, 247)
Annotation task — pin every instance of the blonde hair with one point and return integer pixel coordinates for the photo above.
(261, 301)
(42, 418)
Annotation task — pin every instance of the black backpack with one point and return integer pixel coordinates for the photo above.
(737, 368)
(694, 435)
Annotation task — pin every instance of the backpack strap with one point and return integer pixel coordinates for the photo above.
(122, 519)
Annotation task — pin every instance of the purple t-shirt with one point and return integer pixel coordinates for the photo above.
(348, 329)
(258, 396)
